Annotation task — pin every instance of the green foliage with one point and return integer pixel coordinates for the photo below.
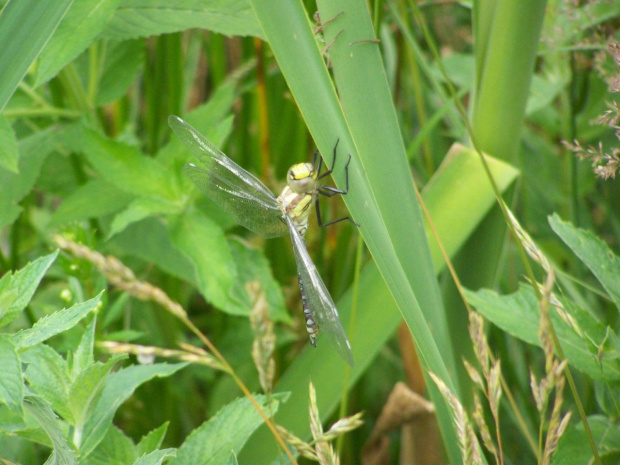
(86, 152)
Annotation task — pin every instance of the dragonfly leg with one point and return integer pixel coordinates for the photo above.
(328, 172)
(329, 191)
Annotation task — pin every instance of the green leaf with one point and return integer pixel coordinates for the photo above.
(574, 446)
(9, 154)
(13, 187)
(518, 314)
(21, 287)
(87, 388)
(204, 244)
(142, 18)
(80, 26)
(123, 165)
(63, 453)
(138, 210)
(119, 388)
(11, 381)
(213, 441)
(115, 448)
(94, 199)
(252, 265)
(594, 253)
(83, 356)
(123, 60)
(156, 457)
(153, 440)
(55, 323)
(48, 375)
(22, 37)
(150, 240)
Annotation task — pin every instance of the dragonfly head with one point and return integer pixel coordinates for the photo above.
(301, 178)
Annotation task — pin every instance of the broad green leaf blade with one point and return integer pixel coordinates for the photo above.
(23, 34)
(115, 448)
(87, 388)
(123, 165)
(63, 453)
(150, 240)
(83, 356)
(21, 287)
(574, 446)
(138, 210)
(48, 375)
(518, 314)
(459, 193)
(204, 244)
(252, 265)
(78, 29)
(94, 199)
(153, 440)
(143, 18)
(122, 64)
(55, 323)
(13, 187)
(156, 457)
(226, 432)
(119, 388)
(594, 253)
(9, 154)
(11, 381)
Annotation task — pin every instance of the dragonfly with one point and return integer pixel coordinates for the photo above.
(254, 206)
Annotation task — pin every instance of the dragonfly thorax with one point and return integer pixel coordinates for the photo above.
(297, 206)
(301, 178)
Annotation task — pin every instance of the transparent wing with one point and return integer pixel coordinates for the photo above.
(238, 192)
(319, 301)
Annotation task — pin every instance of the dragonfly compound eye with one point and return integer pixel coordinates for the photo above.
(302, 178)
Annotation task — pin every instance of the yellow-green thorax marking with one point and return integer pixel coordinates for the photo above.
(297, 198)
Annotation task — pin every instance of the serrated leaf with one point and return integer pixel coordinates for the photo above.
(123, 165)
(24, 283)
(55, 323)
(83, 356)
(594, 253)
(123, 60)
(213, 441)
(94, 199)
(153, 440)
(518, 314)
(156, 457)
(13, 187)
(120, 387)
(63, 453)
(9, 154)
(252, 265)
(78, 29)
(87, 388)
(48, 375)
(115, 448)
(204, 244)
(143, 18)
(11, 381)
(138, 210)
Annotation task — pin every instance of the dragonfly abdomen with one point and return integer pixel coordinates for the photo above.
(311, 326)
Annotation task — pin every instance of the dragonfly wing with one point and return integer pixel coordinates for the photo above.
(238, 192)
(318, 298)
